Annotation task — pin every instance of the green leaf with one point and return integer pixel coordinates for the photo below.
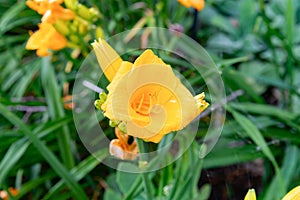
(268, 110)
(289, 166)
(46, 153)
(111, 195)
(10, 15)
(290, 21)
(12, 156)
(259, 140)
(239, 81)
(55, 109)
(126, 180)
(79, 172)
(18, 148)
(29, 186)
(204, 192)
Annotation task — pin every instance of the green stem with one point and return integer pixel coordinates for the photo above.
(144, 158)
(147, 186)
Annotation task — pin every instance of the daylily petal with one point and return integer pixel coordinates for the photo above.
(46, 38)
(185, 3)
(108, 58)
(294, 194)
(150, 99)
(197, 4)
(147, 57)
(250, 195)
(51, 10)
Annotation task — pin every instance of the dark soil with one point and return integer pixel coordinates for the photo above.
(232, 182)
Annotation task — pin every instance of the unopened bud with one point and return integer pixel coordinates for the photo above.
(112, 123)
(62, 27)
(71, 4)
(123, 127)
(99, 32)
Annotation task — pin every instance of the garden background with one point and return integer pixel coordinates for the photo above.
(256, 48)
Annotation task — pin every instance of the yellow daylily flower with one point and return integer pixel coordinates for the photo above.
(46, 38)
(51, 10)
(250, 195)
(124, 148)
(294, 194)
(197, 4)
(146, 95)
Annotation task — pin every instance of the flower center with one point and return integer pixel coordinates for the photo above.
(143, 103)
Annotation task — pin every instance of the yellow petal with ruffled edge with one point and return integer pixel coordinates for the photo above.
(108, 58)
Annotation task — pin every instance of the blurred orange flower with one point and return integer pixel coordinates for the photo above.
(124, 147)
(197, 4)
(68, 103)
(51, 10)
(46, 38)
(147, 96)
(4, 195)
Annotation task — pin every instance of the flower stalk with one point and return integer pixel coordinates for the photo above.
(143, 160)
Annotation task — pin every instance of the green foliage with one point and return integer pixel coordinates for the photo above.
(256, 46)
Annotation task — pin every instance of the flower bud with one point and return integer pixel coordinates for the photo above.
(122, 127)
(71, 4)
(62, 27)
(99, 32)
(108, 58)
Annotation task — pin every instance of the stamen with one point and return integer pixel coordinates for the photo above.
(141, 103)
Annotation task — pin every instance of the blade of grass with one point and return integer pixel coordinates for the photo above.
(46, 153)
(263, 109)
(9, 16)
(290, 27)
(239, 81)
(79, 172)
(31, 185)
(56, 110)
(259, 140)
(18, 148)
(12, 156)
(288, 169)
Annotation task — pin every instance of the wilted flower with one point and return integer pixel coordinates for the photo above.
(145, 95)
(124, 147)
(46, 38)
(197, 4)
